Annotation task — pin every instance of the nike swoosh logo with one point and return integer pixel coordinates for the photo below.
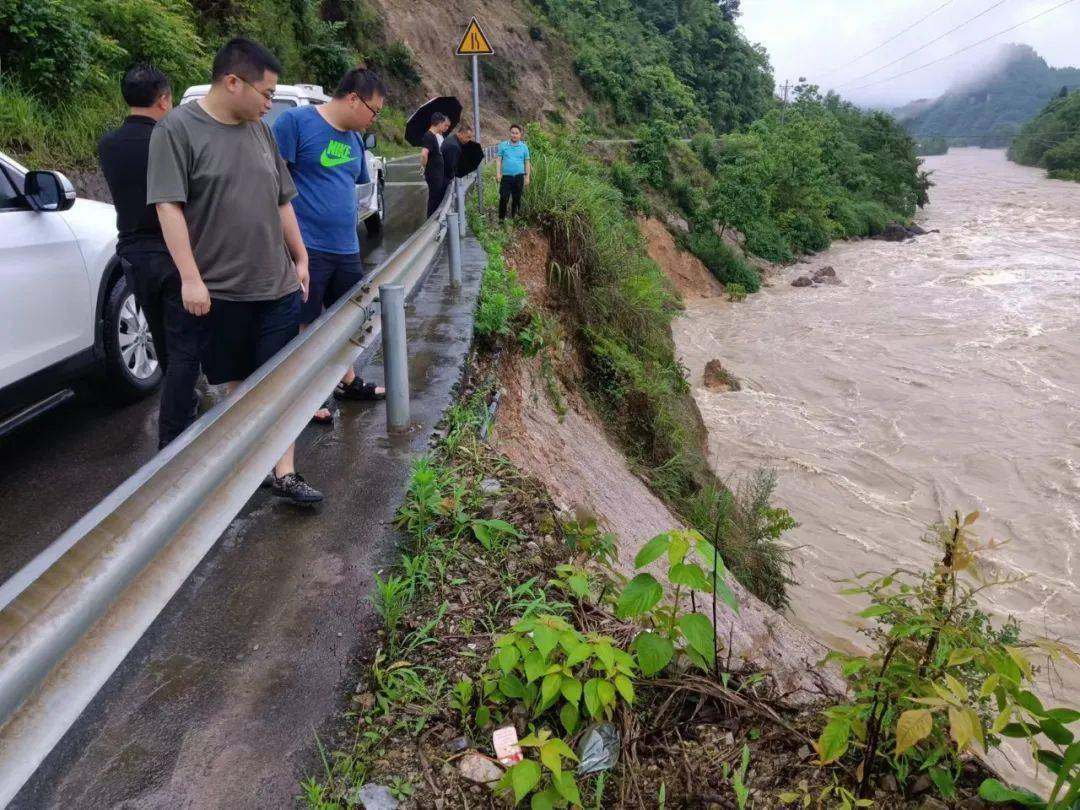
(330, 162)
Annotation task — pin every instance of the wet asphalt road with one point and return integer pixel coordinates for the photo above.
(58, 467)
(219, 703)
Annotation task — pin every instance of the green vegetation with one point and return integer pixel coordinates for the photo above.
(792, 182)
(615, 313)
(62, 60)
(501, 295)
(552, 647)
(682, 62)
(943, 680)
(989, 111)
(1052, 139)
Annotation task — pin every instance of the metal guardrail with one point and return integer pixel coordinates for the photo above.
(71, 615)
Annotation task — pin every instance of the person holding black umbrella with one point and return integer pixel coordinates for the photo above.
(431, 161)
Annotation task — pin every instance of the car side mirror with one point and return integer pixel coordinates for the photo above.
(370, 141)
(48, 191)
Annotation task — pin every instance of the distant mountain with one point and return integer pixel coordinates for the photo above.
(991, 109)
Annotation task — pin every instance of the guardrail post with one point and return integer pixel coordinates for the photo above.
(395, 356)
(460, 187)
(454, 249)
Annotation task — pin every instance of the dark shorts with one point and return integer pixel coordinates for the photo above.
(245, 334)
(332, 276)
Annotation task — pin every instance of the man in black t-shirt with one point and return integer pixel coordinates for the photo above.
(148, 268)
(431, 160)
(451, 149)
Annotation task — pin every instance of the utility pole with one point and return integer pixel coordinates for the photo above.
(783, 109)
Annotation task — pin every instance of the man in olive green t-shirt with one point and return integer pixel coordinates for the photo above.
(223, 198)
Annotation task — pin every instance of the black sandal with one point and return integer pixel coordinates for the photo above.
(324, 420)
(358, 390)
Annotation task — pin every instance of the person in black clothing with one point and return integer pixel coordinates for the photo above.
(431, 161)
(451, 150)
(148, 268)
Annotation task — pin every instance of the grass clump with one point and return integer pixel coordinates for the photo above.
(502, 297)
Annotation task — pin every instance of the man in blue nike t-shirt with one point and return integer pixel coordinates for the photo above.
(326, 160)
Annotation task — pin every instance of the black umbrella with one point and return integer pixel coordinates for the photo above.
(420, 122)
(472, 155)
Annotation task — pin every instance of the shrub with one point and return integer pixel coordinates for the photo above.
(48, 48)
(747, 529)
(627, 180)
(159, 32)
(688, 197)
(1064, 157)
(942, 680)
(721, 260)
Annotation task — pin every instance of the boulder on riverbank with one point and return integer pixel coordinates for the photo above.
(718, 378)
(895, 232)
(898, 232)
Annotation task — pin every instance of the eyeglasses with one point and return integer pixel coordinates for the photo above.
(267, 94)
(374, 112)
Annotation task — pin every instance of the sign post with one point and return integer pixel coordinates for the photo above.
(474, 43)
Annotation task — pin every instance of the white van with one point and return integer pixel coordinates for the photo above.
(370, 197)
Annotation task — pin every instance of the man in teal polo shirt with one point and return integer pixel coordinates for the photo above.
(513, 169)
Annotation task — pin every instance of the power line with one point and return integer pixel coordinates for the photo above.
(966, 47)
(927, 45)
(886, 42)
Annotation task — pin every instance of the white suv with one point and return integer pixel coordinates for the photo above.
(66, 312)
(371, 197)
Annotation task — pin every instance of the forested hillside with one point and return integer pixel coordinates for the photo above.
(991, 110)
(683, 62)
(608, 67)
(1052, 139)
(60, 60)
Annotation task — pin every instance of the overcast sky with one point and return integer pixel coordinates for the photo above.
(814, 38)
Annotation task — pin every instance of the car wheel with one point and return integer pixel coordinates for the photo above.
(132, 370)
(375, 222)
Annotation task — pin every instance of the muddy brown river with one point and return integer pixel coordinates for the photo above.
(944, 373)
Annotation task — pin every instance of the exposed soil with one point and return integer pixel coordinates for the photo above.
(581, 469)
(529, 256)
(690, 276)
(528, 79)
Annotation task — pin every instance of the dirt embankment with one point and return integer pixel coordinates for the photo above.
(530, 77)
(690, 276)
(581, 468)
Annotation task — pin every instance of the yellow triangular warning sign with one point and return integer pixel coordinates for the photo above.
(474, 43)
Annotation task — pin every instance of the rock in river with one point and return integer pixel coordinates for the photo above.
(718, 378)
(802, 281)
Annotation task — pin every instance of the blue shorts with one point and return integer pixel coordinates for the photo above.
(332, 276)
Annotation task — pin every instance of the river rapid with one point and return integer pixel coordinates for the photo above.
(943, 374)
